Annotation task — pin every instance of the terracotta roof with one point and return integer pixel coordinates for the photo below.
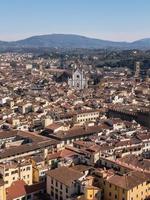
(53, 126)
(143, 136)
(62, 154)
(136, 161)
(78, 131)
(81, 168)
(65, 175)
(82, 143)
(38, 158)
(6, 134)
(32, 135)
(25, 148)
(128, 181)
(130, 141)
(19, 188)
(35, 187)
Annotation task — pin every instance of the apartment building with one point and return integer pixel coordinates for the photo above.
(64, 183)
(86, 116)
(131, 186)
(13, 171)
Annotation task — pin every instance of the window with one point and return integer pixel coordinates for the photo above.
(61, 198)
(13, 172)
(66, 190)
(110, 194)
(110, 185)
(61, 186)
(56, 196)
(56, 183)
(115, 196)
(29, 196)
(28, 168)
(52, 193)
(7, 174)
(56, 190)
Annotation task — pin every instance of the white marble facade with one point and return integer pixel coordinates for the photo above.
(78, 80)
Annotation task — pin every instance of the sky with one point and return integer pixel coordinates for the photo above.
(117, 20)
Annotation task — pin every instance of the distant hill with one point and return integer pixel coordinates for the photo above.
(143, 43)
(72, 41)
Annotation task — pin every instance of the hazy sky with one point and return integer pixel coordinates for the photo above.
(124, 20)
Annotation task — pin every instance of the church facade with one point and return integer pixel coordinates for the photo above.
(78, 80)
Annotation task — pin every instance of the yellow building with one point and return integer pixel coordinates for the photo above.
(39, 169)
(91, 193)
(131, 186)
(2, 190)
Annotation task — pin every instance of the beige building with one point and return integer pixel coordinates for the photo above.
(25, 107)
(16, 171)
(86, 116)
(64, 183)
